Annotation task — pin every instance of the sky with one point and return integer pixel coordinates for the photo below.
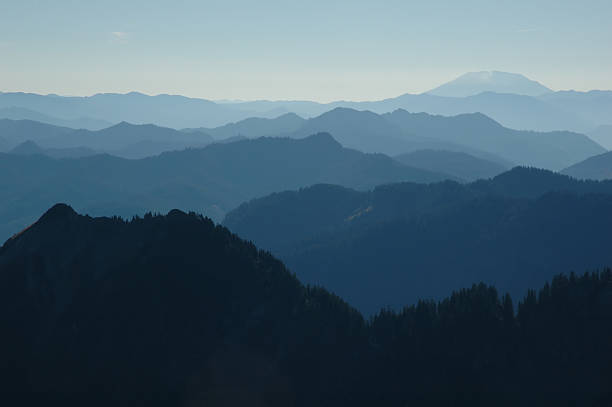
(314, 50)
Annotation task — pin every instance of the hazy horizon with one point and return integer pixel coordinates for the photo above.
(316, 51)
(240, 100)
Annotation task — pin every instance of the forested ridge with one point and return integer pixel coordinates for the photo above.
(183, 312)
(401, 242)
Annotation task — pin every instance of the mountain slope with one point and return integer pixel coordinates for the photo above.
(459, 164)
(598, 167)
(512, 231)
(175, 311)
(473, 83)
(213, 180)
(165, 310)
(602, 135)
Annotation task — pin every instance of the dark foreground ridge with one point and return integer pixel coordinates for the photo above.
(176, 311)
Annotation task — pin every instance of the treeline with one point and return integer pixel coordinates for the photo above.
(473, 349)
(176, 311)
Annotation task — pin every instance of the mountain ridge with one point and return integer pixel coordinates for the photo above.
(212, 180)
(473, 83)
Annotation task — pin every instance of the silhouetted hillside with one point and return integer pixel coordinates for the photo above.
(405, 241)
(462, 165)
(165, 310)
(598, 167)
(473, 83)
(212, 180)
(173, 311)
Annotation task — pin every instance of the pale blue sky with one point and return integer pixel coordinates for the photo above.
(318, 50)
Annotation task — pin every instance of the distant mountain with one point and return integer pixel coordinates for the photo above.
(473, 83)
(602, 135)
(164, 110)
(402, 242)
(551, 150)
(212, 180)
(573, 111)
(364, 131)
(461, 165)
(598, 167)
(31, 148)
(593, 107)
(19, 113)
(176, 311)
(514, 111)
(519, 112)
(401, 132)
(255, 127)
(124, 139)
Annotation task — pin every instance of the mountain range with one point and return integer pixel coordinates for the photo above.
(212, 180)
(510, 99)
(19, 113)
(400, 132)
(401, 242)
(122, 140)
(391, 133)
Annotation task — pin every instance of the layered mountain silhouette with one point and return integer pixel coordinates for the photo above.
(476, 134)
(173, 310)
(212, 180)
(477, 131)
(598, 167)
(462, 165)
(123, 139)
(164, 110)
(19, 113)
(402, 242)
(473, 83)
(523, 104)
